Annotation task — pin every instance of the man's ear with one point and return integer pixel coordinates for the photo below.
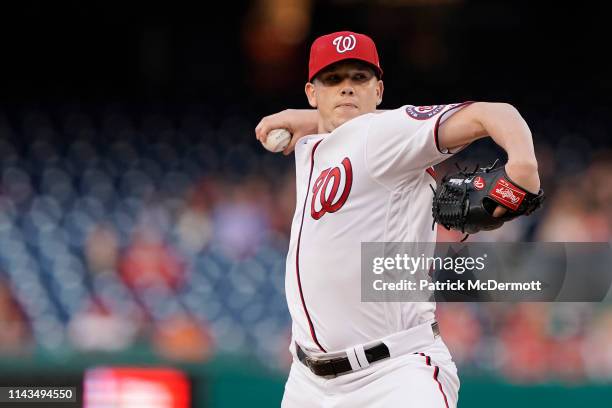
(311, 94)
(380, 88)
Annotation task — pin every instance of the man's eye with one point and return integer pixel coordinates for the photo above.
(333, 78)
(360, 77)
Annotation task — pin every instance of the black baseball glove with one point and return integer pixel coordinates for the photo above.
(465, 201)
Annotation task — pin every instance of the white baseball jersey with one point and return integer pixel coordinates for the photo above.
(366, 181)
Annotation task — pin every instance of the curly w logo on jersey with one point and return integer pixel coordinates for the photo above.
(327, 197)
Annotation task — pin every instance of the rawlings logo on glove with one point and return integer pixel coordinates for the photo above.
(465, 201)
(507, 194)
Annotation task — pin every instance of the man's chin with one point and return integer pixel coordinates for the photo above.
(345, 117)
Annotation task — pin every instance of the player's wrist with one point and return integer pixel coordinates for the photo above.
(522, 165)
(525, 174)
(303, 121)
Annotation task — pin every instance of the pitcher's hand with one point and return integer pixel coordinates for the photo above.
(299, 122)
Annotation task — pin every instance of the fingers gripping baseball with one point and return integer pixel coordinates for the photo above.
(265, 125)
(298, 122)
(277, 140)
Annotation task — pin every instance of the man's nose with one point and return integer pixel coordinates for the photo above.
(347, 90)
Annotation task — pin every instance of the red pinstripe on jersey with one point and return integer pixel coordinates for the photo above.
(297, 254)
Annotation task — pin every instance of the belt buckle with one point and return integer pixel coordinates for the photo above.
(309, 362)
(312, 363)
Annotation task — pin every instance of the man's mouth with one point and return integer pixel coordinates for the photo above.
(346, 105)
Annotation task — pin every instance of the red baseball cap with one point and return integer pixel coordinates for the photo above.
(339, 46)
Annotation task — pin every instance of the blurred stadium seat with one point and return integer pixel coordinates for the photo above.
(129, 221)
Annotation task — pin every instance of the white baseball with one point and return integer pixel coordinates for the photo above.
(277, 140)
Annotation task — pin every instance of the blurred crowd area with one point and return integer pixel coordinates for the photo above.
(122, 229)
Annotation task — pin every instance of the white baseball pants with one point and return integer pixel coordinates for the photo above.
(422, 379)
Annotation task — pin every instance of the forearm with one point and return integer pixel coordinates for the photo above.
(310, 119)
(299, 122)
(504, 124)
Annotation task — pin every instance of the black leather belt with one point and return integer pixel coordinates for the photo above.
(340, 365)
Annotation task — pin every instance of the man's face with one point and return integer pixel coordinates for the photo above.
(344, 91)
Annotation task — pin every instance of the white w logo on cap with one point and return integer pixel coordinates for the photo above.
(344, 44)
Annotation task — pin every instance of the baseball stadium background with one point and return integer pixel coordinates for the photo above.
(143, 229)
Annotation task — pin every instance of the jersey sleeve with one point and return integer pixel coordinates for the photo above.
(404, 141)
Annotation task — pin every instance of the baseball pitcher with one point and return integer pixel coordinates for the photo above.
(364, 176)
